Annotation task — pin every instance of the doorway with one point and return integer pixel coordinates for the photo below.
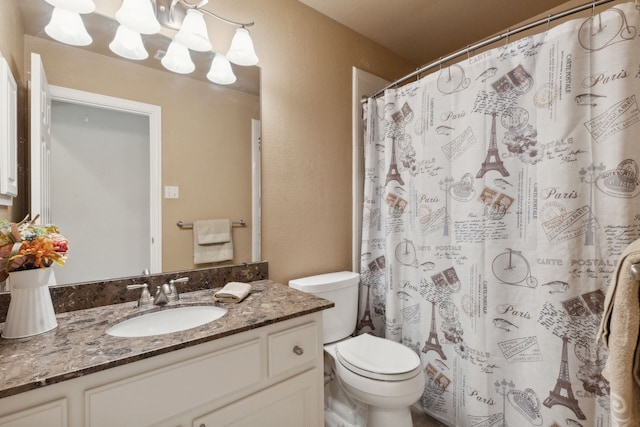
(105, 185)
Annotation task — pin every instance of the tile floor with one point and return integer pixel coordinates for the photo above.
(420, 419)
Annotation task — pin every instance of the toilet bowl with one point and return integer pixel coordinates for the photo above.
(384, 375)
(381, 374)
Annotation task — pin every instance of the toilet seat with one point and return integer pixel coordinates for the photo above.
(378, 358)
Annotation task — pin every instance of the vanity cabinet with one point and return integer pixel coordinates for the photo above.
(52, 414)
(268, 376)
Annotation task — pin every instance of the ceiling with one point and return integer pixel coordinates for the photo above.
(422, 31)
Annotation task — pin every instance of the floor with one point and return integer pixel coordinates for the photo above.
(420, 419)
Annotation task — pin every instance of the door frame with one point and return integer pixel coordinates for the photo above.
(154, 114)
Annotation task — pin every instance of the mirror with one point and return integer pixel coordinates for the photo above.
(206, 131)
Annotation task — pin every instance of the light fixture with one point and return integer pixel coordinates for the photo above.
(66, 26)
(221, 72)
(193, 33)
(77, 6)
(139, 16)
(128, 44)
(241, 51)
(177, 59)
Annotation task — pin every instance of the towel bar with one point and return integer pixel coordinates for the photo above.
(635, 271)
(185, 225)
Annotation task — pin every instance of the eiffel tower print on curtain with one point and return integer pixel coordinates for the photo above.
(366, 317)
(492, 161)
(433, 343)
(394, 173)
(562, 394)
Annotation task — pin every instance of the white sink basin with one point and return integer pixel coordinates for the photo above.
(167, 321)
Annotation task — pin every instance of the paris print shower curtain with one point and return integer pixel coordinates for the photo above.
(499, 193)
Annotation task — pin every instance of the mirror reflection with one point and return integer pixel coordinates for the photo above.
(208, 135)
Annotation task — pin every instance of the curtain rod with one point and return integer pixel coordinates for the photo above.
(491, 40)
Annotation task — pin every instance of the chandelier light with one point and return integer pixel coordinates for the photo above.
(66, 26)
(138, 17)
(77, 6)
(221, 72)
(241, 51)
(193, 33)
(128, 44)
(177, 59)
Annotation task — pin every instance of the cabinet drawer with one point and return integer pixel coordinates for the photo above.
(149, 398)
(291, 403)
(293, 348)
(53, 414)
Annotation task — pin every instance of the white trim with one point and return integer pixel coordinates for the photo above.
(154, 113)
(363, 83)
(256, 191)
(8, 135)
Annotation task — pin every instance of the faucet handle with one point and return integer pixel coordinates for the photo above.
(145, 297)
(175, 295)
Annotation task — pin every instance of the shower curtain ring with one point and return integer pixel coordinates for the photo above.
(507, 37)
(549, 21)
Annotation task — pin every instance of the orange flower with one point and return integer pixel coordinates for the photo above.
(25, 245)
(41, 251)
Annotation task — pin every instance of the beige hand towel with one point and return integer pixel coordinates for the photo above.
(212, 231)
(233, 292)
(212, 241)
(619, 331)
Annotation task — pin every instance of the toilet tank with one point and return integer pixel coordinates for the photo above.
(342, 289)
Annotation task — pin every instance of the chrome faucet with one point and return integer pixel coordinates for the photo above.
(161, 297)
(171, 290)
(165, 294)
(145, 298)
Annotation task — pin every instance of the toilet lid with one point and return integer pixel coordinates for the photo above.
(378, 358)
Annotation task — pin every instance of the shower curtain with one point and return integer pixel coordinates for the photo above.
(499, 193)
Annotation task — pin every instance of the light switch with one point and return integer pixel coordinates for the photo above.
(170, 192)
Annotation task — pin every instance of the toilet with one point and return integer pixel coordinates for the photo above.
(382, 374)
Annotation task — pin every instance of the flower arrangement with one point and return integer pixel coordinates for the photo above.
(25, 245)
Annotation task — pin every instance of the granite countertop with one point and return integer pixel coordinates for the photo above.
(80, 345)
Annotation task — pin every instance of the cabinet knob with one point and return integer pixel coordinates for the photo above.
(298, 350)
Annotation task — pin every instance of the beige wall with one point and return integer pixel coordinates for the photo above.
(11, 48)
(307, 62)
(206, 134)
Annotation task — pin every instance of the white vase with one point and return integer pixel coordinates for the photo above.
(30, 309)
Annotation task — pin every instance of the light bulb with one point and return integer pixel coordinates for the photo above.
(77, 6)
(128, 44)
(193, 33)
(67, 27)
(177, 59)
(138, 15)
(241, 51)
(221, 72)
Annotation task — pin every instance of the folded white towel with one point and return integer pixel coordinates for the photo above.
(233, 292)
(212, 231)
(212, 241)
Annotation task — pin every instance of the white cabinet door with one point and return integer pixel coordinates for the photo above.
(52, 414)
(291, 403)
(8, 134)
(160, 394)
